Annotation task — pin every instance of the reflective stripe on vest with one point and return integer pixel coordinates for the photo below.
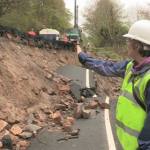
(129, 114)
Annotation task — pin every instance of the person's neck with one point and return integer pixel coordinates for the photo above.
(139, 59)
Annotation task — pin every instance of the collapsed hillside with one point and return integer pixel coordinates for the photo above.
(31, 90)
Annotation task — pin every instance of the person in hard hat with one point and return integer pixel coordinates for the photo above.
(133, 106)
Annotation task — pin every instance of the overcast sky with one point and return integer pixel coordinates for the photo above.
(132, 2)
(82, 5)
(130, 6)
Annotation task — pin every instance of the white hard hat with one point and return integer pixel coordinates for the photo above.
(140, 31)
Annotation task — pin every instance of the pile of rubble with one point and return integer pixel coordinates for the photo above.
(18, 126)
(33, 96)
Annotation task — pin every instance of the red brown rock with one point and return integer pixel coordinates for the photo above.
(35, 91)
(14, 114)
(60, 107)
(67, 126)
(47, 111)
(3, 115)
(49, 76)
(104, 106)
(40, 116)
(82, 98)
(78, 111)
(25, 77)
(22, 145)
(62, 60)
(9, 36)
(93, 105)
(64, 88)
(57, 117)
(16, 130)
(1, 144)
(71, 120)
(3, 124)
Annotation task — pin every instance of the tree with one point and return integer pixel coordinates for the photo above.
(38, 14)
(103, 24)
(7, 5)
(144, 13)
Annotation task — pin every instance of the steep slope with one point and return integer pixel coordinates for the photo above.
(24, 70)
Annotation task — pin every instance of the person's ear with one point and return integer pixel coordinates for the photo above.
(137, 46)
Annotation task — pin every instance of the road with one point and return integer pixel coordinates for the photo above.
(95, 133)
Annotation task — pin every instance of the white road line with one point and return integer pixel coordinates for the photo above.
(87, 78)
(110, 137)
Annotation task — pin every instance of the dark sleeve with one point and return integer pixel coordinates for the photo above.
(144, 137)
(106, 68)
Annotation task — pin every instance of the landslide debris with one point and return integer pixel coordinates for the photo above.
(30, 90)
(34, 96)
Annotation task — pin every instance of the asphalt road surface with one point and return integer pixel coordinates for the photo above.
(94, 133)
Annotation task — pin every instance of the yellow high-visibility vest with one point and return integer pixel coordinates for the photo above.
(130, 116)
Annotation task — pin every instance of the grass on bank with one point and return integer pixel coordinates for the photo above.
(110, 52)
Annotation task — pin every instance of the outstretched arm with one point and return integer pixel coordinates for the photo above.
(106, 68)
